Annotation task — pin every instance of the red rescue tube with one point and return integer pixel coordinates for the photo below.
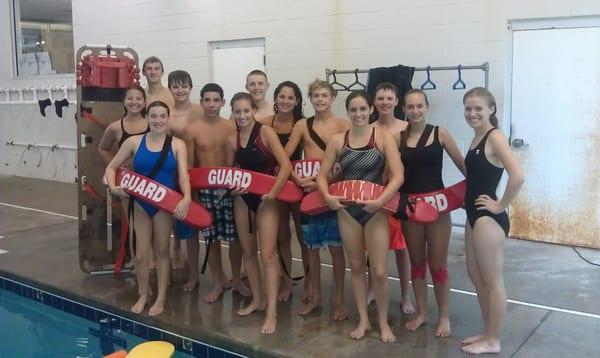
(254, 182)
(428, 206)
(314, 203)
(161, 197)
(307, 168)
(444, 200)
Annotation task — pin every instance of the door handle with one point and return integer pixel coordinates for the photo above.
(519, 143)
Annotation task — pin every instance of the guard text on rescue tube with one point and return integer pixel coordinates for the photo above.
(229, 177)
(143, 187)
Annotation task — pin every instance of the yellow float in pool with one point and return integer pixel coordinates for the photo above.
(154, 349)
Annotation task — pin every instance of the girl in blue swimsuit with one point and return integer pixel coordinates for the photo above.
(363, 153)
(487, 223)
(153, 226)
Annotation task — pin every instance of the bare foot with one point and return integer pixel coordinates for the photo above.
(415, 323)
(156, 309)
(254, 306)
(138, 307)
(214, 294)
(308, 291)
(386, 335)
(190, 285)
(406, 307)
(307, 307)
(269, 325)
(240, 288)
(482, 346)
(285, 292)
(360, 330)
(471, 339)
(443, 329)
(341, 312)
(177, 263)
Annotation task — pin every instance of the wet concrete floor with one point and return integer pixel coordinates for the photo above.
(554, 307)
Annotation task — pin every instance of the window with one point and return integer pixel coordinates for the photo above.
(43, 37)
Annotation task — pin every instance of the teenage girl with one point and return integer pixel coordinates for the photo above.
(487, 222)
(288, 111)
(257, 148)
(422, 149)
(153, 226)
(363, 153)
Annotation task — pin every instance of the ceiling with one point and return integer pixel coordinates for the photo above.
(51, 11)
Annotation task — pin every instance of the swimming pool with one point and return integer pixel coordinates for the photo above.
(35, 323)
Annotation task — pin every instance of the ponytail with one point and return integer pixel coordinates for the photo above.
(493, 118)
(404, 137)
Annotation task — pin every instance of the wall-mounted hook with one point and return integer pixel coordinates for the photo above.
(35, 94)
(7, 93)
(459, 84)
(27, 149)
(65, 90)
(49, 90)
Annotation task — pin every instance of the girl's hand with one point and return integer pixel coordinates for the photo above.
(268, 197)
(334, 202)
(119, 191)
(308, 184)
(370, 206)
(181, 209)
(237, 190)
(485, 202)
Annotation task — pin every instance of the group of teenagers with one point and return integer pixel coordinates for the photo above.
(402, 155)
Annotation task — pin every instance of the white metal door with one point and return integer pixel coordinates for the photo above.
(555, 131)
(232, 61)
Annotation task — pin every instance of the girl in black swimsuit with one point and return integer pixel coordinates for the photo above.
(257, 148)
(422, 148)
(363, 153)
(487, 222)
(288, 111)
(133, 123)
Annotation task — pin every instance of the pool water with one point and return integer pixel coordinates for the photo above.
(32, 329)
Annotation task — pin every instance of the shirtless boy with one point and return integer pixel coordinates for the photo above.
(153, 69)
(207, 145)
(183, 113)
(257, 85)
(320, 230)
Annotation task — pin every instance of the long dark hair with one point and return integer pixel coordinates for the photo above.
(136, 88)
(489, 98)
(406, 132)
(297, 93)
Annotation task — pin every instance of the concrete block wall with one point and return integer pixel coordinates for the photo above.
(302, 38)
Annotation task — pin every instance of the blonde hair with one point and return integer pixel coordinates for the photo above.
(317, 83)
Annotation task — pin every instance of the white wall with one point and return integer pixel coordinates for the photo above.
(22, 122)
(303, 37)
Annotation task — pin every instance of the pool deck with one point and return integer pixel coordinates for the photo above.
(554, 307)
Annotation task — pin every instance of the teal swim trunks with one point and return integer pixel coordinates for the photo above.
(321, 230)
